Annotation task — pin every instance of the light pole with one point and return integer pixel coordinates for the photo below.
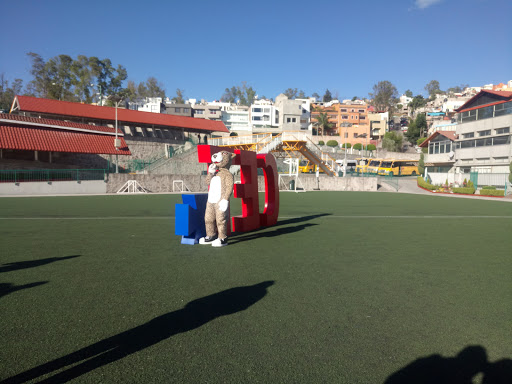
(117, 142)
(345, 161)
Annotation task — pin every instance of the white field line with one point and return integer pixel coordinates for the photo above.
(280, 217)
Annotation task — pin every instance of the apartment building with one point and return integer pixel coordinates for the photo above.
(205, 110)
(149, 104)
(349, 121)
(236, 119)
(264, 116)
(294, 114)
(172, 108)
(484, 133)
(378, 124)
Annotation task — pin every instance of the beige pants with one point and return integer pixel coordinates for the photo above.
(216, 221)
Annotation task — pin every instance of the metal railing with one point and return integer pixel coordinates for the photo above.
(50, 175)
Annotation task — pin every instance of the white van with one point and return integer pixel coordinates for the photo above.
(351, 165)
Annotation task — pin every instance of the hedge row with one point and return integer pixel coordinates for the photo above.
(465, 191)
(423, 184)
(488, 187)
(492, 192)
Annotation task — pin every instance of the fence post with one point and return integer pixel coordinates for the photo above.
(48, 176)
(77, 176)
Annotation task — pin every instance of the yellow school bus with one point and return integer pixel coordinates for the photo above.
(398, 168)
(373, 165)
(362, 165)
(305, 166)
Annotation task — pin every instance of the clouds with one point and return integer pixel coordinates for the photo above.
(422, 4)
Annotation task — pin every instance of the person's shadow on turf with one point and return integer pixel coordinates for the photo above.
(461, 369)
(192, 316)
(9, 267)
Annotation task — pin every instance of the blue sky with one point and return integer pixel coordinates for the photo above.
(203, 47)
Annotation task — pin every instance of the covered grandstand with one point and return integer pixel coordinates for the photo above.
(29, 138)
(133, 123)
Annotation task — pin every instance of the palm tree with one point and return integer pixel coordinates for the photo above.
(323, 122)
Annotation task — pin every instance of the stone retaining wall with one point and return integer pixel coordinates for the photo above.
(197, 183)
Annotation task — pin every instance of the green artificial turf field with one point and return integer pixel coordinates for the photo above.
(349, 287)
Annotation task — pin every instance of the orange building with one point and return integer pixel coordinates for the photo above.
(349, 121)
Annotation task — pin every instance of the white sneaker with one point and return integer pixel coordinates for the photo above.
(220, 242)
(206, 240)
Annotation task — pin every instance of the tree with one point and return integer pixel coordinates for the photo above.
(301, 95)
(64, 78)
(433, 88)
(316, 96)
(327, 96)
(322, 122)
(384, 95)
(155, 88)
(457, 89)
(421, 164)
(244, 94)
(332, 143)
(354, 98)
(392, 141)
(417, 128)
(179, 99)
(291, 93)
(408, 93)
(7, 93)
(417, 102)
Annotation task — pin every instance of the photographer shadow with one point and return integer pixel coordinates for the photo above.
(194, 315)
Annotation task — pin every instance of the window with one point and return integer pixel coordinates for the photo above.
(355, 134)
(177, 110)
(468, 116)
(485, 113)
(362, 118)
(186, 110)
(467, 144)
(468, 135)
(213, 111)
(487, 132)
(199, 112)
(256, 118)
(361, 111)
(502, 131)
(256, 109)
(346, 135)
(344, 110)
(266, 110)
(344, 117)
(500, 140)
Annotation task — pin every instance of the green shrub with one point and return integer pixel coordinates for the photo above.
(423, 184)
(358, 146)
(488, 187)
(371, 147)
(321, 142)
(492, 192)
(332, 143)
(465, 191)
(471, 185)
(346, 145)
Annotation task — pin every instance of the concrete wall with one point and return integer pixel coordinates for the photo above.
(197, 183)
(54, 188)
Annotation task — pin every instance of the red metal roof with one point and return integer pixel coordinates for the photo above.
(21, 136)
(66, 108)
(448, 134)
(6, 117)
(506, 94)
